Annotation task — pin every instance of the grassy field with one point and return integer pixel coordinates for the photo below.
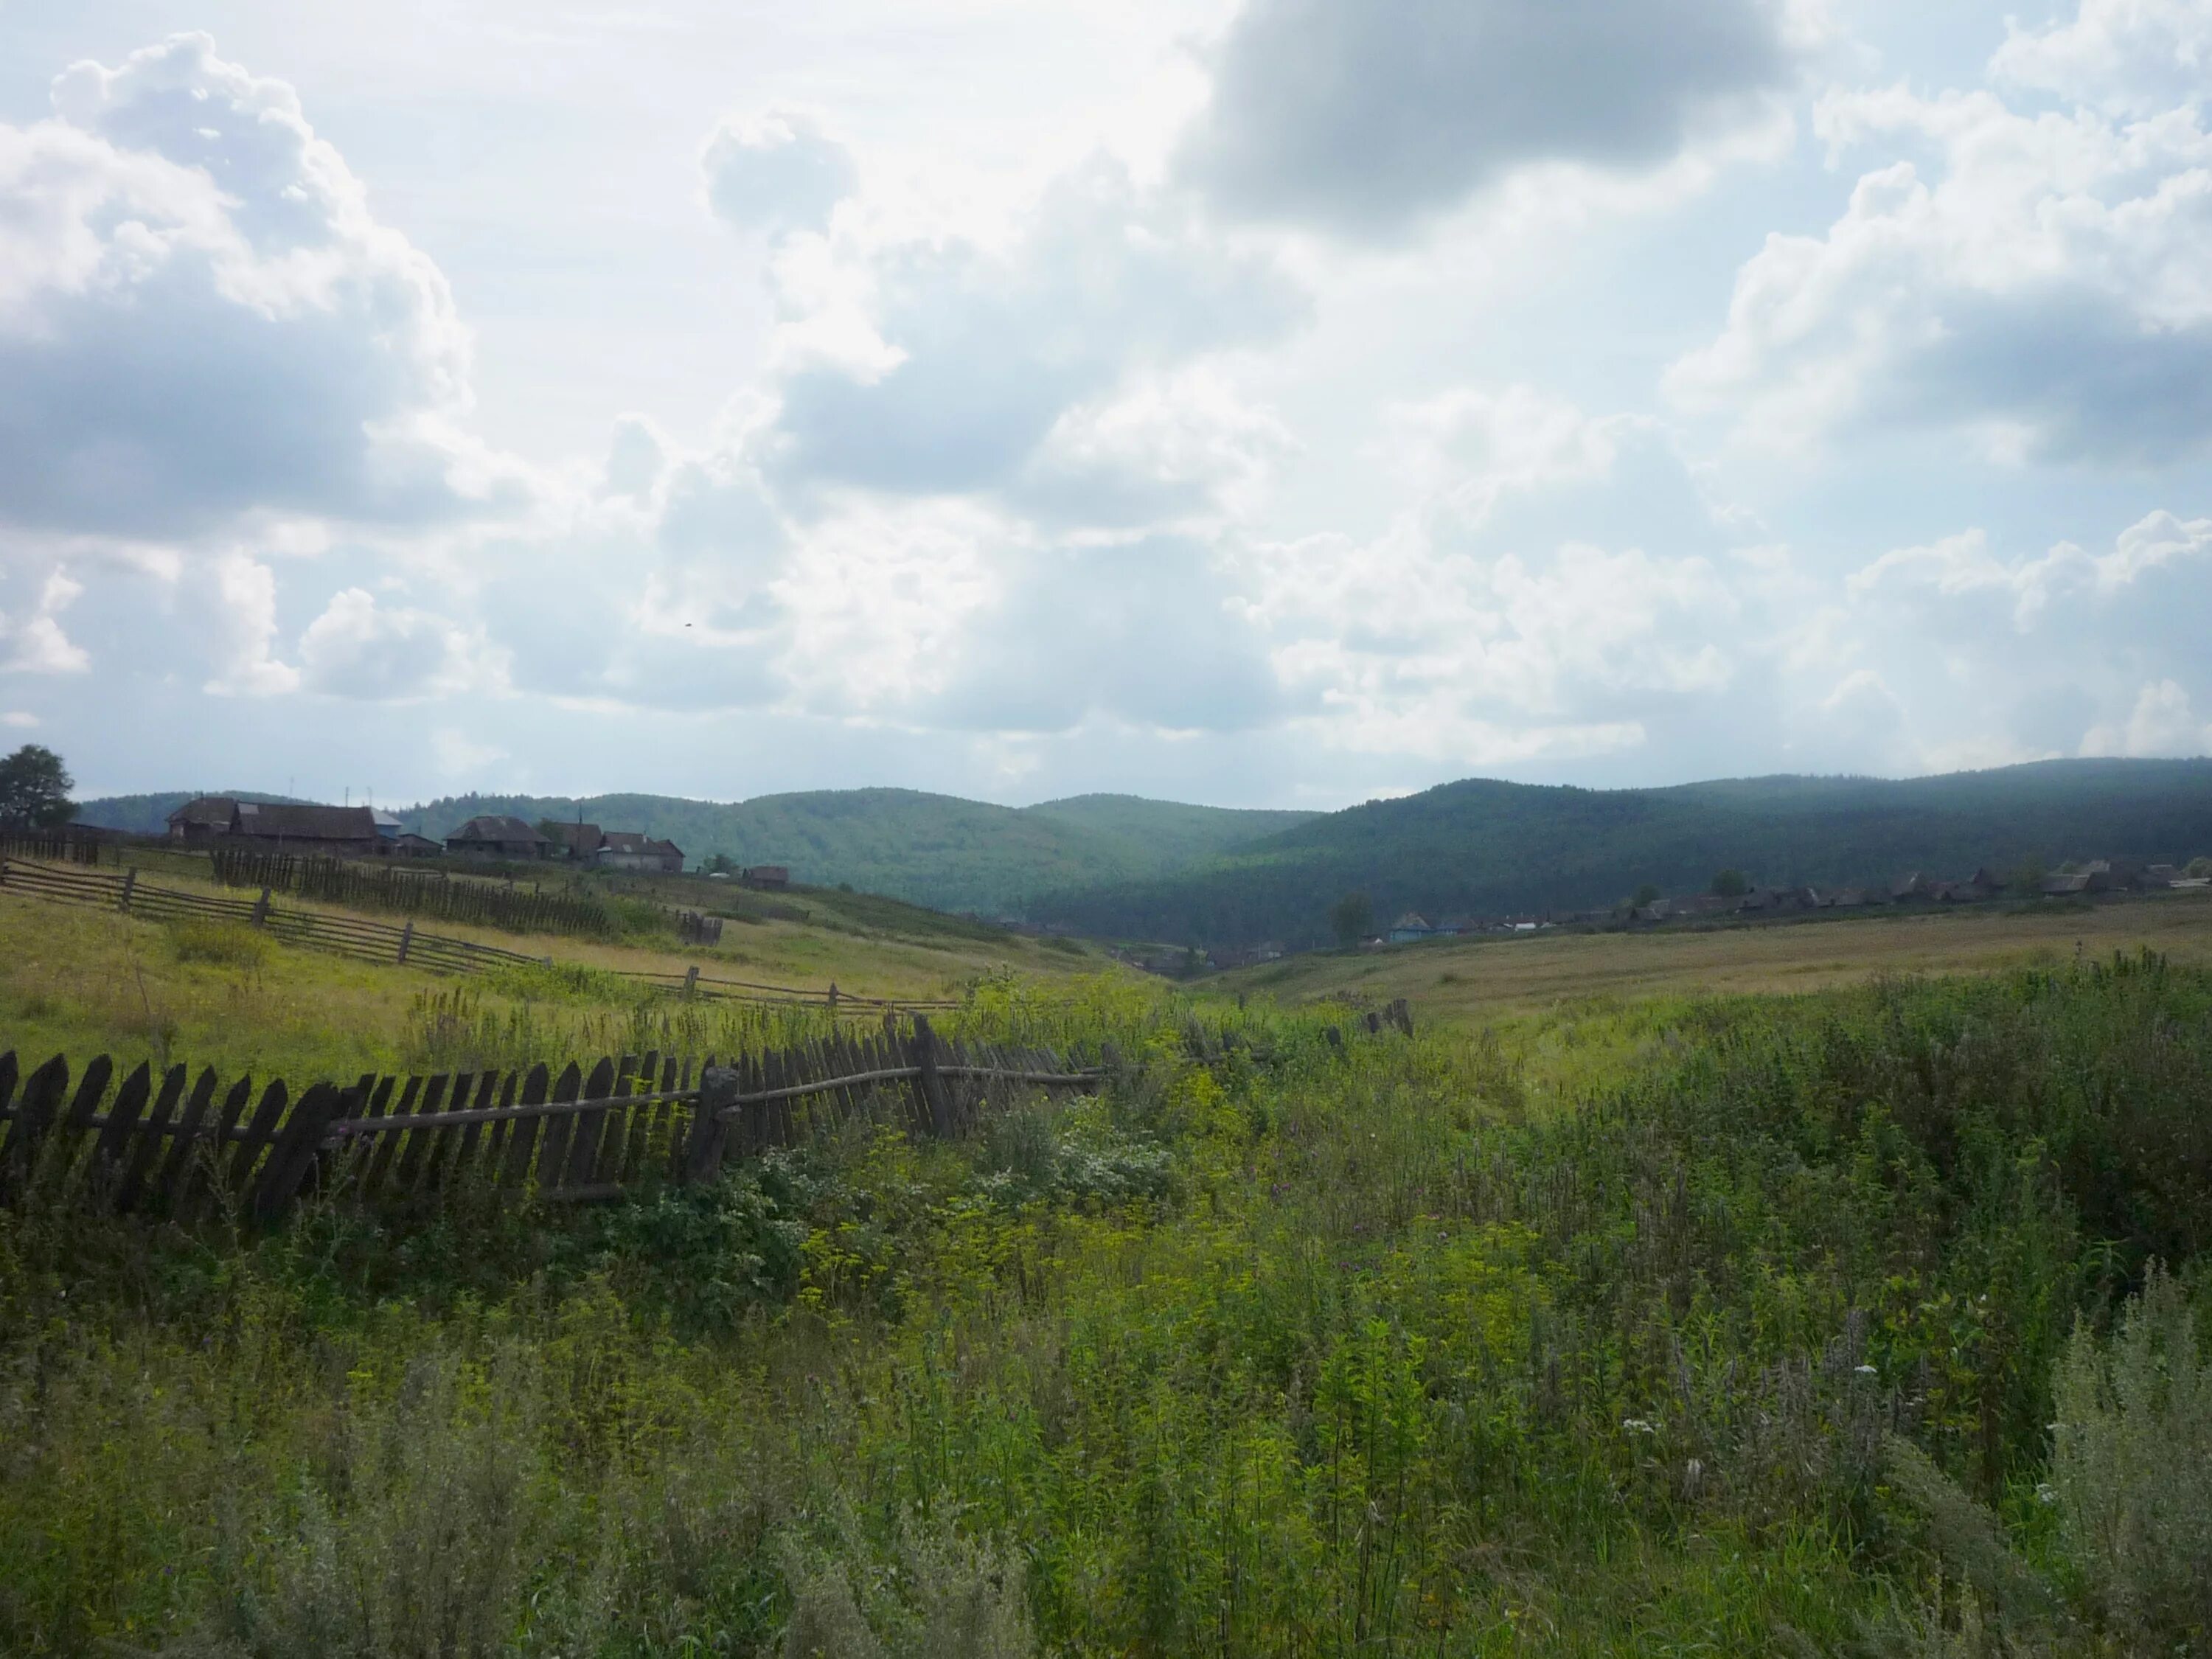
(1482, 979)
(1855, 1321)
(80, 981)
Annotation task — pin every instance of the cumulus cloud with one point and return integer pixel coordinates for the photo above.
(199, 315)
(358, 648)
(2046, 654)
(775, 174)
(2048, 289)
(973, 352)
(243, 638)
(2137, 57)
(1364, 116)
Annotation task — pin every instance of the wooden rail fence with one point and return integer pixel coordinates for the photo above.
(382, 943)
(188, 1148)
(409, 892)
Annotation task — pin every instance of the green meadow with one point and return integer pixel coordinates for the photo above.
(1858, 1322)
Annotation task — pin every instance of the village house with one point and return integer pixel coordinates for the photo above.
(1409, 927)
(334, 831)
(203, 819)
(576, 842)
(631, 850)
(496, 835)
(768, 876)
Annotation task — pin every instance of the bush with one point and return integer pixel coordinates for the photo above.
(223, 944)
(2132, 1469)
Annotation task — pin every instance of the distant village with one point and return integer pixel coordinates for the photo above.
(2099, 876)
(365, 832)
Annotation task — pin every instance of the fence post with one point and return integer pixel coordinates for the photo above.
(261, 910)
(935, 1096)
(691, 980)
(833, 996)
(129, 881)
(710, 1129)
(406, 939)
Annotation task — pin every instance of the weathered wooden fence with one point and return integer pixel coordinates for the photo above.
(379, 942)
(187, 1148)
(352, 936)
(409, 892)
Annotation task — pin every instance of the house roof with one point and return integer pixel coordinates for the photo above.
(576, 838)
(306, 823)
(498, 827)
(214, 811)
(637, 842)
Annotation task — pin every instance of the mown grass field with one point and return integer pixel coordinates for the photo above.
(1853, 1321)
(1483, 979)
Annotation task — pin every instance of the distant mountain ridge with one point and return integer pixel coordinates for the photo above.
(937, 850)
(1485, 848)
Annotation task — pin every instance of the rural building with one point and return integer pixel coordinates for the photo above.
(496, 835)
(333, 831)
(1910, 888)
(203, 819)
(632, 850)
(408, 845)
(574, 842)
(2078, 882)
(765, 875)
(1409, 927)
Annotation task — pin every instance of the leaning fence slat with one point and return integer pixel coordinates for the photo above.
(495, 1143)
(614, 1128)
(296, 1150)
(409, 1175)
(584, 1134)
(34, 1120)
(465, 1153)
(524, 1141)
(387, 1145)
(176, 1170)
(195, 1200)
(258, 1133)
(147, 1150)
(444, 1144)
(552, 1156)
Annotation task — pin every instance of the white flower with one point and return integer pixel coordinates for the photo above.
(1639, 1425)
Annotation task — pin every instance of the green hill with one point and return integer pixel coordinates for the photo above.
(936, 850)
(1483, 847)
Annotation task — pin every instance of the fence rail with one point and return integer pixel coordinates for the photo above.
(403, 945)
(157, 1146)
(409, 892)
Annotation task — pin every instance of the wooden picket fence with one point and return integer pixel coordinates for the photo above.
(155, 1145)
(397, 889)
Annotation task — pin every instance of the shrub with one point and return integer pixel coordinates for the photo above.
(223, 944)
(2132, 1469)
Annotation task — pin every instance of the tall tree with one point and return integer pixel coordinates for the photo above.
(35, 787)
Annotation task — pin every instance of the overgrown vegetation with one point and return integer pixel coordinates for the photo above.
(1675, 1328)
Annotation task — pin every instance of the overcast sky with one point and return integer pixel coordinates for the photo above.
(1263, 402)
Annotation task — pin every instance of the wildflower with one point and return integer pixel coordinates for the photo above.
(1639, 1425)
(1864, 1370)
(2046, 1492)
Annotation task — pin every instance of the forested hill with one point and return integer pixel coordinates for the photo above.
(930, 849)
(1483, 847)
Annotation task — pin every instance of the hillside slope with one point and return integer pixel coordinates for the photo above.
(930, 850)
(1485, 847)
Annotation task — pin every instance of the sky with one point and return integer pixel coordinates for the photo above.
(1274, 403)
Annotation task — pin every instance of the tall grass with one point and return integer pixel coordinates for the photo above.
(1288, 1343)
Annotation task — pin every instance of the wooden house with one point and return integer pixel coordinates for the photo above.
(496, 835)
(203, 818)
(770, 876)
(632, 850)
(336, 831)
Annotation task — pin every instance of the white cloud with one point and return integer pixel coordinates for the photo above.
(18, 720)
(938, 365)
(2137, 57)
(1366, 116)
(199, 315)
(245, 635)
(2162, 723)
(358, 648)
(2048, 289)
(776, 172)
